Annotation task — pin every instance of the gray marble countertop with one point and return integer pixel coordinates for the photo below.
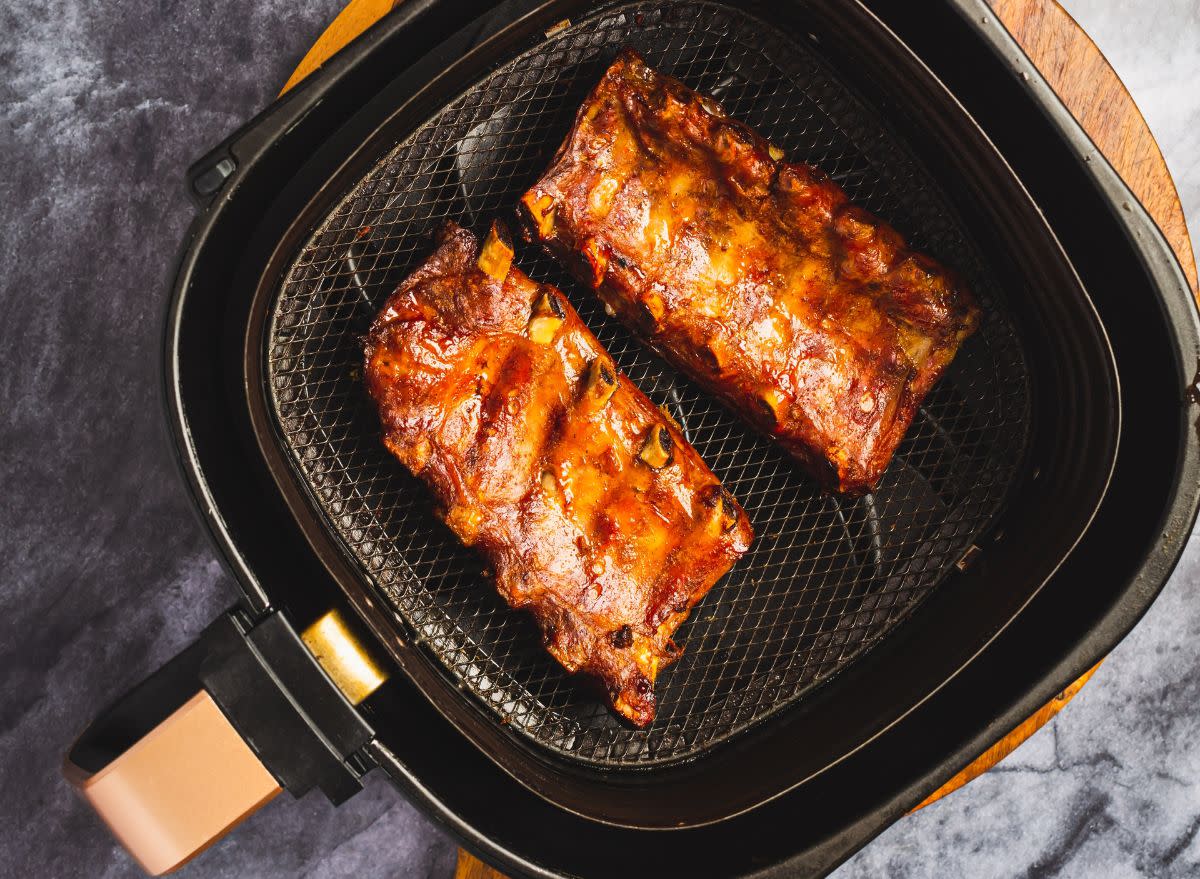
(106, 573)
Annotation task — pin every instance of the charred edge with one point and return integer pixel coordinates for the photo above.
(622, 637)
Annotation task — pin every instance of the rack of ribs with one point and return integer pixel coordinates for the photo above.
(586, 501)
(807, 315)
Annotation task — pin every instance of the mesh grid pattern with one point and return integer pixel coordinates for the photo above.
(826, 578)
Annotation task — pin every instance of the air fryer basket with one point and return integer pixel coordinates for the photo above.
(984, 649)
(828, 577)
(1010, 459)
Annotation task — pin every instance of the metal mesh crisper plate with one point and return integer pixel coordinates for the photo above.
(826, 578)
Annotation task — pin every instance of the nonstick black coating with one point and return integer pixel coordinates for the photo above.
(828, 577)
(291, 172)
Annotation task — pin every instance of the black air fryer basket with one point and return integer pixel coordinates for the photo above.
(865, 649)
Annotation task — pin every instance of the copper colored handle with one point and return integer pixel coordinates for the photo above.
(179, 788)
(250, 708)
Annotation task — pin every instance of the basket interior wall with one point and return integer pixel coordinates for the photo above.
(827, 577)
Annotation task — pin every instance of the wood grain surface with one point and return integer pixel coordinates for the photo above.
(470, 867)
(1082, 77)
(1078, 72)
(354, 19)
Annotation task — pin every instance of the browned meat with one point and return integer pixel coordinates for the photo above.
(590, 506)
(806, 314)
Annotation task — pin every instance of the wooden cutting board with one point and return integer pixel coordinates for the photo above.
(1087, 84)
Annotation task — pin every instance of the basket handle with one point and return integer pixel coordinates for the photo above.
(179, 788)
(249, 709)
